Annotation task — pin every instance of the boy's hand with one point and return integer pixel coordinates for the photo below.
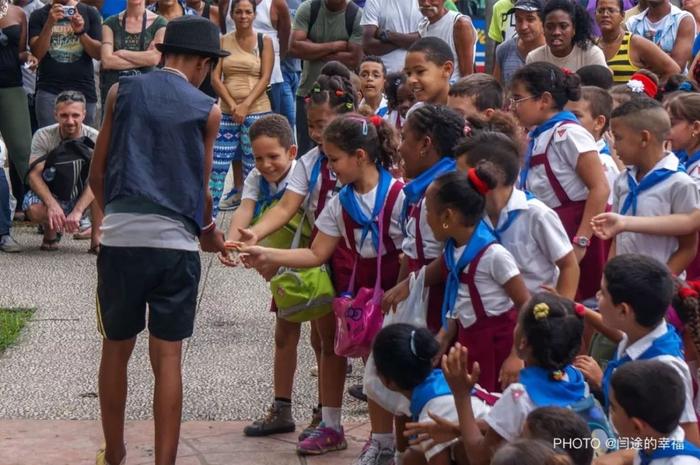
(454, 366)
(212, 241)
(247, 236)
(394, 296)
(608, 225)
(510, 371)
(591, 370)
(230, 256)
(254, 256)
(437, 431)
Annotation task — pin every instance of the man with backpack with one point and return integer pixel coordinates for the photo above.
(58, 170)
(320, 34)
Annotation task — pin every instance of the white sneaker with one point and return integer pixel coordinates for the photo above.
(230, 201)
(374, 454)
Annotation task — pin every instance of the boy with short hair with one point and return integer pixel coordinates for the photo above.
(149, 256)
(476, 94)
(646, 403)
(636, 291)
(429, 65)
(558, 424)
(654, 183)
(593, 111)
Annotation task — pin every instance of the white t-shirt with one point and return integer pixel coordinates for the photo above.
(251, 185)
(432, 248)
(508, 414)
(393, 15)
(610, 168)
(578, 58)
(496, 267)
(678, 364)
(146, 230)
(330, 221)
(301, 178)
(568, 142)
(443, 29)
(676, 194)
(536, 239)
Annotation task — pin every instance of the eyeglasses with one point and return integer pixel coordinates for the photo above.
(514, 102)
(4, 40)
(610, 11)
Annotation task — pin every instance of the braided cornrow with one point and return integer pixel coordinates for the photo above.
(334, 88)
(444, 126)
(687, 304)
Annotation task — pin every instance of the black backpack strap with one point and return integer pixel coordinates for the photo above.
(33, 164)
(350, 14)
(261, 43)
(315, 8)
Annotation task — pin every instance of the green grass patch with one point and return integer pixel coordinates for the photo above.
(11, 323)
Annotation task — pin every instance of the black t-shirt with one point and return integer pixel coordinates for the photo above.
(66, 65)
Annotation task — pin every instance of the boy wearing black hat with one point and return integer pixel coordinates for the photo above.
(150, 174)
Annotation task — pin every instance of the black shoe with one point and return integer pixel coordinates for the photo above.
(357, 392)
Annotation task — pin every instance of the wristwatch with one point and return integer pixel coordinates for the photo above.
(581, 241)
(383, 36)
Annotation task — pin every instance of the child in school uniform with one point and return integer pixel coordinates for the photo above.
(476, 94)
(563, 427)
(562, 167)
(635, 294)
(593, 112)
(547, 338)
(429, 136)
(483, 286)
(274, 153)
(359, 151)
(399, 99)
(373, 78)
(403, 354)
(313, 180)
(429, 65)
(646, 403)
(654, 183)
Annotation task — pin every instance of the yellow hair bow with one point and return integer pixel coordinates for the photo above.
(541, 310)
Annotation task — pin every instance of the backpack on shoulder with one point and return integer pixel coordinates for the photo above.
(351, 11)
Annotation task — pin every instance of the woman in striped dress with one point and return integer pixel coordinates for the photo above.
(626, 53)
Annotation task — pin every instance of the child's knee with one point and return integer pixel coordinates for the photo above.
(286, 335)
(413, 457)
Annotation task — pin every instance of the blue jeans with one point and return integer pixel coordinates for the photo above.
(5, 213)
(282, 96)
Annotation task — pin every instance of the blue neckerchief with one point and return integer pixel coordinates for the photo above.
(544, 391)
(560, 117)
(668, 344)
(682, 156)
(348, 200)
(690, 160)
(481, 238)
(606, 150)
(382, 111)
(651, 179)
(265, 199)
(512, 216)
(434, 386)
(315, 172)
(670, 450)
(415, 190)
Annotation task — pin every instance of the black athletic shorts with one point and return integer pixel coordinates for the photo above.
(129, 278)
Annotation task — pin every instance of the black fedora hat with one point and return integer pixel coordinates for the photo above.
(192, 35)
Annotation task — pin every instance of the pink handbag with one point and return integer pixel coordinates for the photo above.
(358, 319)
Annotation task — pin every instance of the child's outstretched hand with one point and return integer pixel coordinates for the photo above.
(394, 296)
(247, 236)
(591, 370)
(231, 256)
(437, 431)
(454, 366)
(254, 256)
(608, 225)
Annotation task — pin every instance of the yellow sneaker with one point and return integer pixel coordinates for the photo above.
(102, 460)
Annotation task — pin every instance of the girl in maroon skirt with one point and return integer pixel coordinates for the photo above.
(359, 151)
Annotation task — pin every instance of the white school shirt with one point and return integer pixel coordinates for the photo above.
(536, 239)
(568, 142)
(330, 221)
(677, 435)
(633, 351)
(394, 118)
(496, 267)
(251, 185)
(676, 194)
(694, 172)
(301, 178)
(393, 15)
(432, 248)
(383, 108)
(609, 166)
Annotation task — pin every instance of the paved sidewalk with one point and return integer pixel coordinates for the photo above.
(201, 443)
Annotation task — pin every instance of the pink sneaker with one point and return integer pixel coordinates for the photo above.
(322, 440)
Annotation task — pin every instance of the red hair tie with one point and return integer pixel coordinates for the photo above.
(339, 93)
(480, 186)
(650, 87)
(686, 292)
(567, 71)
(579, 310)
(376, 120)
(693, 285)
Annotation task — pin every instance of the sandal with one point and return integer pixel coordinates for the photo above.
(50, 245)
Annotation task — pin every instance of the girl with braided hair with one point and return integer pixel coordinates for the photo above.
(360, 151)
(312, 183)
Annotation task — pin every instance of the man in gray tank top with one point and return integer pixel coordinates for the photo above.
(149, 256)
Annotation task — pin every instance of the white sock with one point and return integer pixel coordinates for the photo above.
(331, 417)
(386, 440)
